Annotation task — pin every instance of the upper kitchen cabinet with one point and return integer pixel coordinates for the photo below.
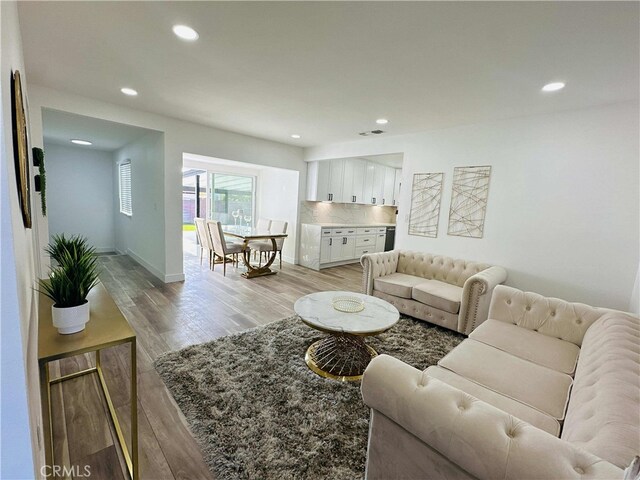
(324, 180)
(353, 181)
(389, 183)
(397, 185)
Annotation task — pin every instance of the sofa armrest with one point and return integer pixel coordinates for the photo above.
(476, 297)
(377, 265)
(484, 441)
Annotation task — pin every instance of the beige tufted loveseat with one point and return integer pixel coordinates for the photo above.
(449, 292)
(544, 389)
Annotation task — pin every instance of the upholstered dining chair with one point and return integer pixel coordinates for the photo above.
(221, 247)
(265, 246)
(264, 224)
(204, 239)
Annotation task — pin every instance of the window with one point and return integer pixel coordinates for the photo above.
(124, 173)
(232, 198)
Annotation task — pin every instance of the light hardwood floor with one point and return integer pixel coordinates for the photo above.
(167, 317)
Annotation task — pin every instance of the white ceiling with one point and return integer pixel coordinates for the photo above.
(327, 70)
(61, 127)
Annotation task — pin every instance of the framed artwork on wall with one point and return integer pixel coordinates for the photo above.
(469, 196)
(425, 204)
(20, 150)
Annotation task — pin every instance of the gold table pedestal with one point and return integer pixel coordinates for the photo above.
(341, 357)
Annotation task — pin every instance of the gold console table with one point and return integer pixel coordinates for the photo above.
(106, 328)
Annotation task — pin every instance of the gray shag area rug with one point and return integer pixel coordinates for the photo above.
(258, 412)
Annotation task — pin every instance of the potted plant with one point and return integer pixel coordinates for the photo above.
(70, 281)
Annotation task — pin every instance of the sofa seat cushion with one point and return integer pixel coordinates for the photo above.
(603, 416)
(550, 352)
(397, 284)
(534, 385)
(441, 295)
(513, 407)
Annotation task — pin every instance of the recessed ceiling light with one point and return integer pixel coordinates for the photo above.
(553, 87)
(185, 33)
(81, 142)
(382, 121)
(129, 91)
(295, 135)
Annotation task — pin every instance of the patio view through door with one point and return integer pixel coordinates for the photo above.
(232, 198)
(223, 197)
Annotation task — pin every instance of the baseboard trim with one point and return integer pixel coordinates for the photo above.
(153, 270)
(174, 277)
(106, 250)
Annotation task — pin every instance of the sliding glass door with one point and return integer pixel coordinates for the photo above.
(232, 198)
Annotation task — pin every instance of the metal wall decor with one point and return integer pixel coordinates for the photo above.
(20, 152)
(425, 204)
(469, 196)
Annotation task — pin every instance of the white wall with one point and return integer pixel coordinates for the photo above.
(563, 211)
(179, 137)
(278, 200)
(141, 235)
(19, 391)
(80, 193)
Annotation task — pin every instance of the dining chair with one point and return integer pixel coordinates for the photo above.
(263, 225)
(265, 246)
(204, 239)
(221, 247)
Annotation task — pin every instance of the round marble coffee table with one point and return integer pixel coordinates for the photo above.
(343, 355)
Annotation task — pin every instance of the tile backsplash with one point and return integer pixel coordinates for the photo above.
(321, 212)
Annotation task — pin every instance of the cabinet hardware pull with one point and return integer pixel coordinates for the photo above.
(354, 199)
(330, 241)
(373, 200)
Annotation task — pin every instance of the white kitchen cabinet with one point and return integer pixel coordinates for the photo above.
(325, 249)
(378, 184)
(397, 186)
(325, 246)
(388, 184)
(318, 175)
(353, 181)
(324, 180)
(336, 176)
(369, 173)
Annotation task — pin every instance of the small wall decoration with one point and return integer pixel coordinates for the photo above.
(21, 155)
(41, 178)
(425, 204)
(469, 201)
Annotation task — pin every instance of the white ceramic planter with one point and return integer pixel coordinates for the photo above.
(71, 319)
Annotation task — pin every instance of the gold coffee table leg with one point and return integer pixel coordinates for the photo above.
(341, 357)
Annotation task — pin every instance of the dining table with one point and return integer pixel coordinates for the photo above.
(249, 234)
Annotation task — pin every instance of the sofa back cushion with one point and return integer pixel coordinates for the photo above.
(438, 267)
(604, 410)
(546, 315)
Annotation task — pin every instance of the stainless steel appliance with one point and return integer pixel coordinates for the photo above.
(390, 241)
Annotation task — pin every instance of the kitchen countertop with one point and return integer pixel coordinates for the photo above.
(357, 225)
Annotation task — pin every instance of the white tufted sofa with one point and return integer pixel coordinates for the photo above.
(544, 389)
(449, 292)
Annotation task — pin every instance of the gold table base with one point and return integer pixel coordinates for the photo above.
(341, 357)
(259, 271)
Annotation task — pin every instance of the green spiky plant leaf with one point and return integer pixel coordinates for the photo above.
(75, 275)
(76, 246)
